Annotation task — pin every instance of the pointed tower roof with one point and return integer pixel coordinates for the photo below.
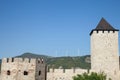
(103, 25)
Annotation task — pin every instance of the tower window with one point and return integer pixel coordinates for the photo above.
(39, 72)
(25, 73)
(8, 72)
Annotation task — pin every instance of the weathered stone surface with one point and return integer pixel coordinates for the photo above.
(22, 69)
(105, 53)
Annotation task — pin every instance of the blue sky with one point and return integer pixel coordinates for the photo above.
(52, 27)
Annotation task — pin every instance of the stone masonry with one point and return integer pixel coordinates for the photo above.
(22, 69)
(105, 50)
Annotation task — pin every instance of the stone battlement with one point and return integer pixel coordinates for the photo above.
(104, 31)
(67, 70)
(26, 60)
(23, 69)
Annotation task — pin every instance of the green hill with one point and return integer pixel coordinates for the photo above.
(68, 62)
(31, 55)
(61, 62)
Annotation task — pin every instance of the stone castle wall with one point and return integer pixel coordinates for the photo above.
(64, 74)
(40, 70)
(104, 50)
(21, 69)
(67, 74)
(105, 53)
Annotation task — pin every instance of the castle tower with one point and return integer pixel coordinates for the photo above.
(23, 69)
(104, 48)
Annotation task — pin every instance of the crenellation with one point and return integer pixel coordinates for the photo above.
(32, 60)
(80, 70)
(12, 60)
(103, 31)
(4, 60)
(40, 60)
(26, 60)
(67, 70)
(50, 70)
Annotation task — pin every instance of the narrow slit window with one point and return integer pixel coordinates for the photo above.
(39, 72)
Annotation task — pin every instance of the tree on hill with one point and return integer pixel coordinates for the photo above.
(91, 76)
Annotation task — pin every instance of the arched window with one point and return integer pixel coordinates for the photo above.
(8, 72)
(39, 72)
(25, 73)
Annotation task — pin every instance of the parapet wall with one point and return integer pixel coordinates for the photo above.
(22, 69)
(27, 60)
(67, 70)
(102, 31)
(67, 74)
(64, 74)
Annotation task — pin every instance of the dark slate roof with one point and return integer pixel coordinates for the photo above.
(103, 25)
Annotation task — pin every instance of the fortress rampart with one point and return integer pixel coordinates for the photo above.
(22, 60)
(67, 70)
(23, 69)
(64, 74)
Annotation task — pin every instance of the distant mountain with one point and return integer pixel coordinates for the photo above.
(31, 55)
